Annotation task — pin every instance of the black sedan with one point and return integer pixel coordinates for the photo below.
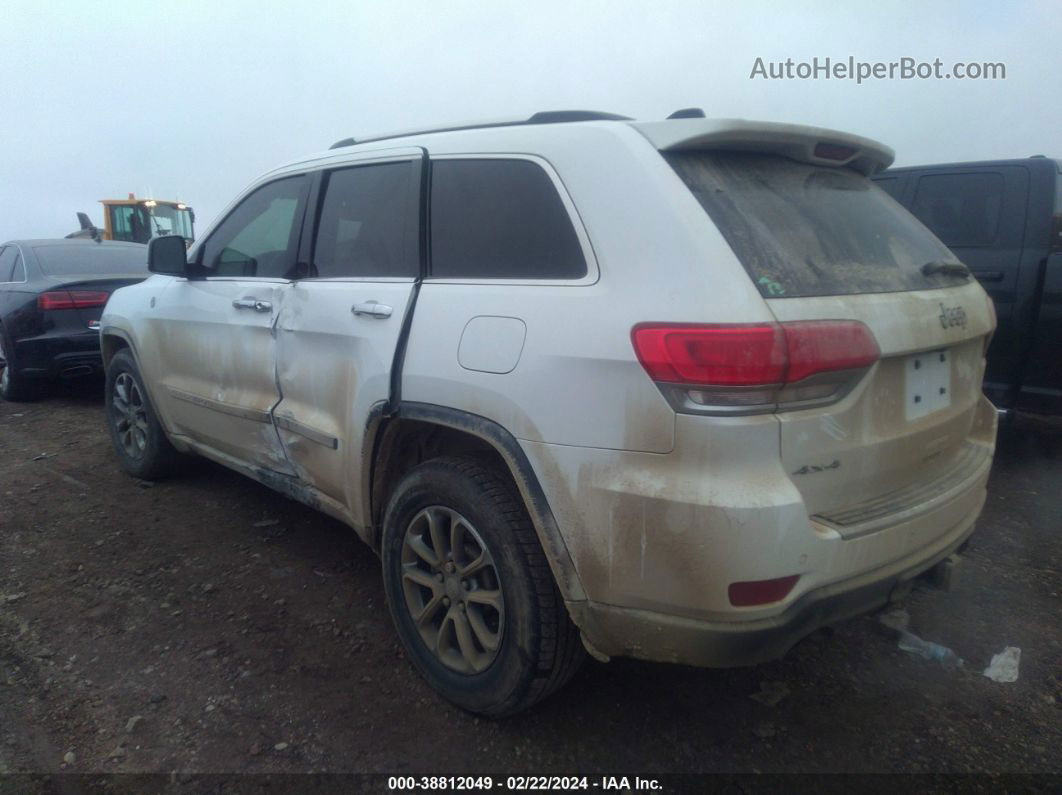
(52, 293)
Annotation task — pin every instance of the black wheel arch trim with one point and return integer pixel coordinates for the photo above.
(506, 445)
(114, 331)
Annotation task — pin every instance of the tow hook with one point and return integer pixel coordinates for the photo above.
(946, 574)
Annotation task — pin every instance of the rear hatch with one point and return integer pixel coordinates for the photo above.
(890, 430)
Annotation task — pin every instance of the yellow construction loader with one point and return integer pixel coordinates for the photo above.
(138, 220)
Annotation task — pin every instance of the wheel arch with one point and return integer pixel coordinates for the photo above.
(113, 340)
(417, 431)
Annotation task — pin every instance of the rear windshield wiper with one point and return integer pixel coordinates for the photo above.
(945, 268)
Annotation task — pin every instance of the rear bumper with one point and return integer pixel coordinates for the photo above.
(59, 355)
(649, 635)
(658, 539)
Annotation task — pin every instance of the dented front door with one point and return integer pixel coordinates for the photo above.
(216, 366)
(215, 332)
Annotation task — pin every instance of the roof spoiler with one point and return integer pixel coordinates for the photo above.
(815, 145)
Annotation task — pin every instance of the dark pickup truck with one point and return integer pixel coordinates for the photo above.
(1003, 219)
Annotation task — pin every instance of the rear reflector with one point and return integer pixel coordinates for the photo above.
(752, 355)
(761, 592)
(71, 299)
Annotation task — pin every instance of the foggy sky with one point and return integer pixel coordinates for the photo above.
(193, 100)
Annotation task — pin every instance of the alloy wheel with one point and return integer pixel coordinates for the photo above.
(452, 590)
(130, 415)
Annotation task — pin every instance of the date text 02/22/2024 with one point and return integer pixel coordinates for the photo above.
(522, 783)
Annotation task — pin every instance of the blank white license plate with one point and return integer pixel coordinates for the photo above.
(928, 386)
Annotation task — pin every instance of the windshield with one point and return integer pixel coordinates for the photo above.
(803, 230)
(168, 220)
(138, 223)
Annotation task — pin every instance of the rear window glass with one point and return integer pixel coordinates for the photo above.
(803, 230)
(92, 258)
(500, 219)
(961, 209)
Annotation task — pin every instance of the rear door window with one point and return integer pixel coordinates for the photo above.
(500, 219)
(368, 223)
(961, 209)
(128, 223)
(804, 230)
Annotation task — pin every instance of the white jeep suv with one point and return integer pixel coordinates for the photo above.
(681, 390)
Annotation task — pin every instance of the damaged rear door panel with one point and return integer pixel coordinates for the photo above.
(340, 325)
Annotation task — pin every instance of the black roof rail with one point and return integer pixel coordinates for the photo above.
(542, 117)
(560, 116)
(688, 113)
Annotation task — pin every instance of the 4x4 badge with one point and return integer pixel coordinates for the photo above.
(952, 316)
(809, 469)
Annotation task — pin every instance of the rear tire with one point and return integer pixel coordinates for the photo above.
(141, 443)
(14, 387)
(470, 591)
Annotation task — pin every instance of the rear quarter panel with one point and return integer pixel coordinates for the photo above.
(577, 381)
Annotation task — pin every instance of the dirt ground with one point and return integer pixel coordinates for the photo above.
(207, 624)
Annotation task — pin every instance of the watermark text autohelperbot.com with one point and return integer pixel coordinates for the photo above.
(862, 71)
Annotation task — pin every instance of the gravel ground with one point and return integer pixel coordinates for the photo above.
(208, 625)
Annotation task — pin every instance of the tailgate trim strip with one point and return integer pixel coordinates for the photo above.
(895, 506)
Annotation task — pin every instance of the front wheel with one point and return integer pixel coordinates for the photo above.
(471, 592)
(138, 437)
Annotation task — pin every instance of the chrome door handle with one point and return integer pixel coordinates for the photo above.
(253, 303)
(372, 309)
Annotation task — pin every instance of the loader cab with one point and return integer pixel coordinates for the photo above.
(138, 220)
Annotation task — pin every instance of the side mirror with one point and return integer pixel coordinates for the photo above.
(168, 254)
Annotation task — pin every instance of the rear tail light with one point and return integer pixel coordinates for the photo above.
(761, 592)
(71, 299)
(738, 368)
(1054, 245)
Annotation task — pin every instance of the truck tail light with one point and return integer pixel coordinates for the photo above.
(71, 299)
(750, 368)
